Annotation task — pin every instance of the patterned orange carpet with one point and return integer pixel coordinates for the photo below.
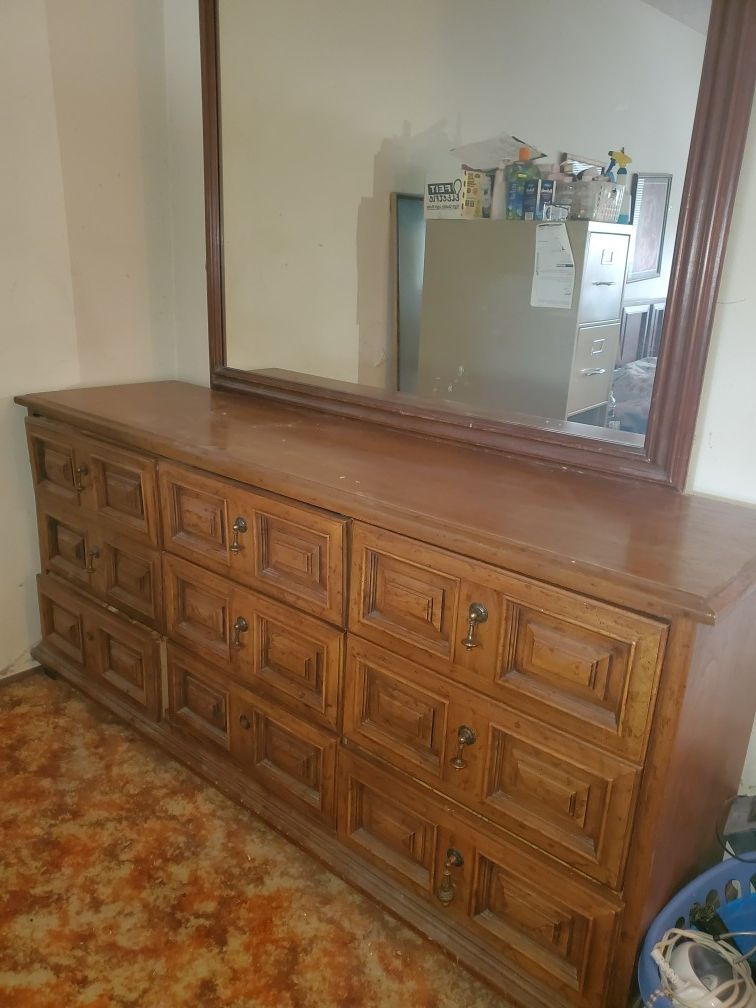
(127, 881)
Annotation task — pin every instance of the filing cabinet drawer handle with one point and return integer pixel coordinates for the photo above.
(588, 371)
(92, 555)
(477, 613)
(465, 737)
(238, 528)
(604, 283)
(80, 471)
(447, 889)
(241, 625)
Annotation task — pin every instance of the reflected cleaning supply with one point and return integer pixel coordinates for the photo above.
(623, 160)
(518, 174)
(499, 196)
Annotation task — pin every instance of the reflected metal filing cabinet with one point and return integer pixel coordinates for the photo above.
(482, 343)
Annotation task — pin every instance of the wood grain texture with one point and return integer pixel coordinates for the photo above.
(545, 785)
(289, 657)
(595, 690)
(638, 546)
(292, 552)
(120, 654)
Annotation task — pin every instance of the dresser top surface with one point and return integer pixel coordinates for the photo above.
(641, 545)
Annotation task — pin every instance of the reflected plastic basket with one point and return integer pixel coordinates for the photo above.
(677, 914)
(598, 201)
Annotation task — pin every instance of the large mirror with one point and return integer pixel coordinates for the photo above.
(338, 276)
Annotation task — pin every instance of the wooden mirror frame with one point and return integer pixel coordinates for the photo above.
(716, 152)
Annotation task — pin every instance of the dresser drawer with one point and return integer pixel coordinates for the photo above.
(288, 756)
(582, 666)
(287, 550)
(548, 921)
(569, 799)
(115, 652)
(279, 653)
(115, 486)
(112, 567)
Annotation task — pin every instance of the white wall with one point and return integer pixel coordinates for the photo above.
(85, 236)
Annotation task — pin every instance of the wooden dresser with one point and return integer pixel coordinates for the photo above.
(509, 701)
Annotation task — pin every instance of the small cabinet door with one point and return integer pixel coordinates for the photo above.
(57, 463)
(583, 666)
(97, 645)
(112, 567)
(568, 798)
(293, 659)
(526, 908)
(198, 700)
(126, 658)
(121, 491)
(288, 756)
(286, 550)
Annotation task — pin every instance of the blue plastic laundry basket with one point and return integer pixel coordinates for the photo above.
(716, 879)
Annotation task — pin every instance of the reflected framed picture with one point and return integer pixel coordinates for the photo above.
(650, 202)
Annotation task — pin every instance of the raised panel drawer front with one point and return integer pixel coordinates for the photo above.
(118, 570)
(56, 470)
(544, 919)
(126, 658)
(113, 485)
(556, 927)
(288, 756)
(61, 613)
(274, 650)
(287, 550)
(198, 700)
(122, 490)
(583, 666)
(568, 798)
(94, 642)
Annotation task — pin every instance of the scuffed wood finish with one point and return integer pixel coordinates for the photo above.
(289, 657)
(100, 645)
(110, 566)
(288, 551)
(567, 659)
(116, 488)
(553, 790)
(633, 545)
(553, 923)
(552, 745)
(283, 753)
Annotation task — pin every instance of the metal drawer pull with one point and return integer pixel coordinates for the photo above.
(604, 283)
(245, 722)
(465, 737)
(240, 526)
(447, 890)
(241, 625)
(92, 555)
(588, 371)
(80, 471)
(477, 613)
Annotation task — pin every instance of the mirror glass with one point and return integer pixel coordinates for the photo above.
(338, 123)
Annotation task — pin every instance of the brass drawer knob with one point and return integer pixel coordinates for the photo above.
(477, 613)
(80, 471)
(465, 737)
(447, 890)
(245, 722)
(241, 625)
(238, 528)
(92, 555)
